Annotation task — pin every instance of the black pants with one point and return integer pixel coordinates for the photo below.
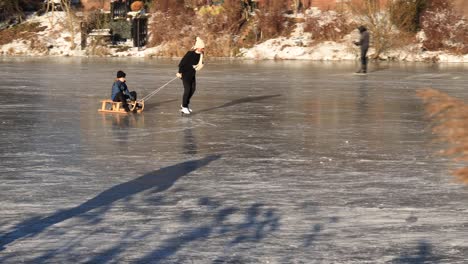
(364, 60)
(190, 85)
(121, 97)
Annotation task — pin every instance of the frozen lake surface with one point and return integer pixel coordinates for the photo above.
(281, 162)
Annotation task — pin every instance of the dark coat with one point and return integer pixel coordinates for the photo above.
(119, 86)
(186, 68)
(364, 39)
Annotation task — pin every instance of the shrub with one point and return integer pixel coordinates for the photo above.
(185, 24)
(26, 31)
(168, 6)
(96, 20)
(377, 20)
(444, 28)
(271, 19)
(98, 47)
(334, 27)
(405, 15)
(171, 21)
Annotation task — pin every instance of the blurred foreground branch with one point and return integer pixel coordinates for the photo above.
(450, 122)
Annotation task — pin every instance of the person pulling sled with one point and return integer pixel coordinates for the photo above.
(188, 66)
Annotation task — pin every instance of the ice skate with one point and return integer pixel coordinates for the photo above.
(185, 111)
(190, 110)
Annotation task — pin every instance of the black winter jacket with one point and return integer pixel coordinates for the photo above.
(190, 59)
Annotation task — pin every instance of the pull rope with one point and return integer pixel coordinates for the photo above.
(148, 96)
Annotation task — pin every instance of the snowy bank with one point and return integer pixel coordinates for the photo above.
(56, 39)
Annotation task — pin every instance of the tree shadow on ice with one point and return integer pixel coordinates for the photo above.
(239, 101)
(159, 181)
(422, 254)
(231, 225)
(315, 233)
(234, 229)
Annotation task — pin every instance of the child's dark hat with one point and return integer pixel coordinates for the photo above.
(121, 74)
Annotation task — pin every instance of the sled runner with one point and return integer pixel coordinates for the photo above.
(109, 106)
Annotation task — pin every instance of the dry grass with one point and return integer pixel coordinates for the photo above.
(404, 39)
(450, 122)
(96, 20)
(271, 20)
(98, 48)
(334, 29)
(26, 31)
(168, 6)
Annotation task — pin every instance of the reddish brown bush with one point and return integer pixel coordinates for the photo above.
(177, 26)
(444, 28)
(166, 28)
(334, 28)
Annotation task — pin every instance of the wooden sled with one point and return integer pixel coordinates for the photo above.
(109, 106)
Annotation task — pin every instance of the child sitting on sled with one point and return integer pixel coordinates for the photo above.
(120, 92)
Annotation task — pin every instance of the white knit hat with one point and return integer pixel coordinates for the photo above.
(199, 44)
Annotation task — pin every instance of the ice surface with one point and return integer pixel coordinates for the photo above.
(281, 162)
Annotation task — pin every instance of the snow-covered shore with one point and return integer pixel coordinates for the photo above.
(56, 40)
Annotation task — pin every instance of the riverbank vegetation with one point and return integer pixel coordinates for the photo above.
(434, 24)
(232, 26)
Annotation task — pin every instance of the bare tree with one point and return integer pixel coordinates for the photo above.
(371, 14)
(378, 18)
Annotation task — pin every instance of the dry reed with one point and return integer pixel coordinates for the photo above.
(450, 122)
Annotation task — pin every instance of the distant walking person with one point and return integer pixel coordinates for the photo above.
(120, 91)
(188, 66)
(364, 44)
